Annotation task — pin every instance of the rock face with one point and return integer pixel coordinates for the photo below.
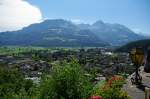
(62, 33)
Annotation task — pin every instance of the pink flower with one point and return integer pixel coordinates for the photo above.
(95, 97)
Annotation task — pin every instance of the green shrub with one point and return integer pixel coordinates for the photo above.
(12, 83)
(67, 81)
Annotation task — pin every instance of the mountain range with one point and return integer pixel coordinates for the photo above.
(63, 33)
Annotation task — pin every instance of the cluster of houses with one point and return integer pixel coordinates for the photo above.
(102, 59)
(28, 66)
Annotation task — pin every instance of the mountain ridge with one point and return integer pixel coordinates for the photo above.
(115, 34)
(60, 32)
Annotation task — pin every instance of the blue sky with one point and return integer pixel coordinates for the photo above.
(16, 14)
(135, 14)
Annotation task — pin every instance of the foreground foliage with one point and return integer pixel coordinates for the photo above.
(111, 89)
(13, 84)
(65, 81)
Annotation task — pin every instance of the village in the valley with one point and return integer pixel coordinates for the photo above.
(103, 60)
(103, 63)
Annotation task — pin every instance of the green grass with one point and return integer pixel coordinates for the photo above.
(10, 50)
(16, 50)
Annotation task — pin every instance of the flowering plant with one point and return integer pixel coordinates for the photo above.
(95, 97)
(111, 89)
(114, 82)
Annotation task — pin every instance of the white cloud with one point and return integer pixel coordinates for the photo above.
(16, 14)
(76, 21)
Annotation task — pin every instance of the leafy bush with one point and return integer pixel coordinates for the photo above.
(67, 81)
(12, 83)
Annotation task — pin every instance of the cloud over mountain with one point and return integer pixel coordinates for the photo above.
(15, 14)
